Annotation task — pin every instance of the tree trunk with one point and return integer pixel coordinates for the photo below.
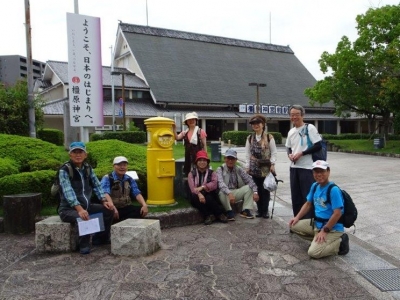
(20, 212)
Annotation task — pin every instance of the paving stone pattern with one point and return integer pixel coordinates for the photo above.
(245, 259)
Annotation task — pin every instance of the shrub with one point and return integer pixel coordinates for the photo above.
(53, 136)
(239, 137)
(25, 149)
(44, 164)
(29, 182)
(8, 166)
(134, 137)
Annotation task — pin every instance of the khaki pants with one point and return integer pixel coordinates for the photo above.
(317, 250)
(245, 193)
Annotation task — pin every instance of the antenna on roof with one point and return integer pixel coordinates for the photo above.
(270, 28)
(147, 15)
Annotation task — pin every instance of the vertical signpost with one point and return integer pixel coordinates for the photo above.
(85, 72)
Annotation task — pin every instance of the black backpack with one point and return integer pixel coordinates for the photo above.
(321, 154)
(350, 211)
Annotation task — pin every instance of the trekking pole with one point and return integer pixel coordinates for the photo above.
(273, 203)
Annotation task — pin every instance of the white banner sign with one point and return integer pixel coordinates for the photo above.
(85, 71)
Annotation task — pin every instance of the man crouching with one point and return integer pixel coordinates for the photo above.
(328, 237)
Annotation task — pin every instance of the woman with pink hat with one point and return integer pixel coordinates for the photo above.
(195, 139)
(203, 187)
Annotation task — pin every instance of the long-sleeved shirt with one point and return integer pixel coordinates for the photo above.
(233, 179)
(69, 193)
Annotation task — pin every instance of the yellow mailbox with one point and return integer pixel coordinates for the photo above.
(160, 161)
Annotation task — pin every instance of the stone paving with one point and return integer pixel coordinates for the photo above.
(245, 259)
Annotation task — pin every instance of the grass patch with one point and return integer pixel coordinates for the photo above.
(367, 146)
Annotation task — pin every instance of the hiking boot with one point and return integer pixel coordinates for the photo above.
(344, 247)
(222, 218)
(230, 215)
(246, 214)
(208, 220)
(84, 250)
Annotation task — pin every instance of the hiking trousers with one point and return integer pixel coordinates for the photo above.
(317, 250)
(245, 193)
(70, 215)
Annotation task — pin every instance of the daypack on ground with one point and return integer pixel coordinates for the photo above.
(350, 211)
(322, 153)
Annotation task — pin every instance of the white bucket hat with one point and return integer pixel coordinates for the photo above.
(191, 115)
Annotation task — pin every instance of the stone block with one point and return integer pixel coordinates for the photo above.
(135, 237)
(54, 235)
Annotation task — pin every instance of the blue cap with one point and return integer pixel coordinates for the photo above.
(77, 145)
(230, 153)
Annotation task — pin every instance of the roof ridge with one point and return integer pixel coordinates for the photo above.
(147, 30)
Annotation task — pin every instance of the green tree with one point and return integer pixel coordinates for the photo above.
(14, 106)
(364, 76)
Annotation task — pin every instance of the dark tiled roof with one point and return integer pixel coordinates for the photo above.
(130, 81)
(182, 67)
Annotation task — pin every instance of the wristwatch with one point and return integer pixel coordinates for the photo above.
(326, 229)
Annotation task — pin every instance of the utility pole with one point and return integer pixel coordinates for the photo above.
(31, 110)
(257, 85)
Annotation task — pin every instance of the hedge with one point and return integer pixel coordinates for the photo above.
(239, 137)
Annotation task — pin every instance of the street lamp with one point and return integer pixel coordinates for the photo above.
(258, 94)
(122, 72)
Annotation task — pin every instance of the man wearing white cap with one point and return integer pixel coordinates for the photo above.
(327, 234)
(119, 188)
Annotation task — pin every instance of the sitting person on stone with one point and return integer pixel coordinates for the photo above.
(327, 234)
(119, 189)
(203, 187)
(234, 185)
(75, 197)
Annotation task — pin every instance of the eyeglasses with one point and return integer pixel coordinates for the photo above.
(295, 115)
(255, 122)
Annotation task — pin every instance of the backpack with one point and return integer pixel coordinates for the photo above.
(321, 154)
(350, 213)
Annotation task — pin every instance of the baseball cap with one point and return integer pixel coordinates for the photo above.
(230, 153)
(320, 164)
(77, 145)
(119, 159)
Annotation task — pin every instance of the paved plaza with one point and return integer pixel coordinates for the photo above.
(245, 259)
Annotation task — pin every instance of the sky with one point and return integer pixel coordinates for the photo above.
(309, 27)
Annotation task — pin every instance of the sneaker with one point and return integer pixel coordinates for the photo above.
(208, 220)
(259, 215)
(84, 250)
(266, 215)
(230, 215)
(222, 218)
(344, 247)
(246, 214)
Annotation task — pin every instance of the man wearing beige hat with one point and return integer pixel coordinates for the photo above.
(119, 188)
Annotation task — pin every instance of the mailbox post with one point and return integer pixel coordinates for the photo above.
(160, 161)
